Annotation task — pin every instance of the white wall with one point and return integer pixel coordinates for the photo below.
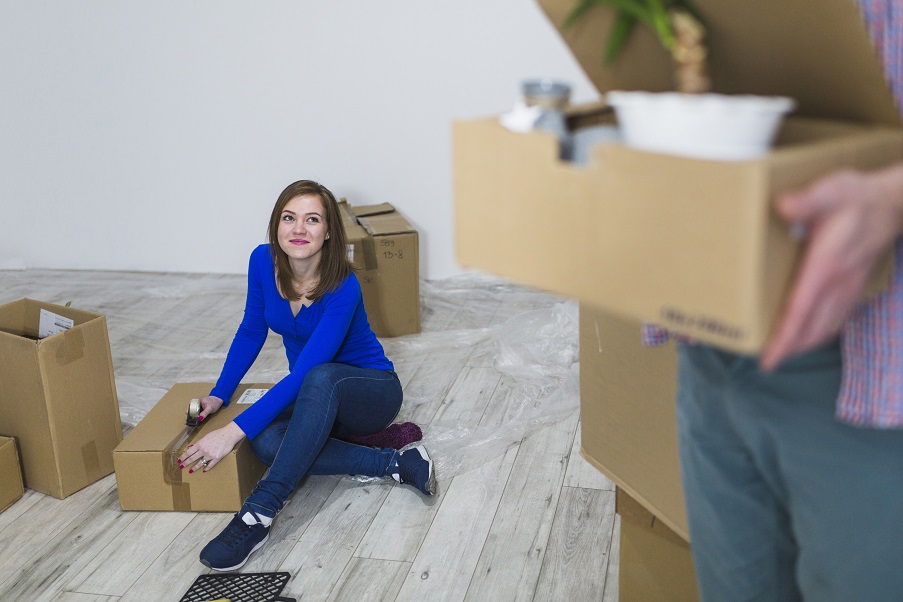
(155, 136)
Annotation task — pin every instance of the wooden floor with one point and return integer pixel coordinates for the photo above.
(492, 379)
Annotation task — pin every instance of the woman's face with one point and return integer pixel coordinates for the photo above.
(302, 228)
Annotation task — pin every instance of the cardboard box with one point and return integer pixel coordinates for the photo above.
(627, 413)
(384, 248)
(655, 562)
(11, 487)
(690, 244)
(57, 396)
(148, 476)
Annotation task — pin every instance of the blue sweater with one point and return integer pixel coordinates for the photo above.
(333, 329)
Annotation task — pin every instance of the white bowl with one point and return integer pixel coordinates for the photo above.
(703, 126)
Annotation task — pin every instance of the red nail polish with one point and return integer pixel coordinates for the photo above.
(181, 466)
(200, 418)
(191, 471)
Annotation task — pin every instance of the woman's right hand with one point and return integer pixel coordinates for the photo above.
(209, 405)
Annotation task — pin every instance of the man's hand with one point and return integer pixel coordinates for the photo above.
(852, 218)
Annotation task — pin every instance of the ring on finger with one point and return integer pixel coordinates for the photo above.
(205, 462)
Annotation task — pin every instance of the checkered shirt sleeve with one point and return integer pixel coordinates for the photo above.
(871, 391)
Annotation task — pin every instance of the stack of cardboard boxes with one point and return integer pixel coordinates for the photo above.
(384, 248)
(57, 396)
(689, 244)
(628, 432)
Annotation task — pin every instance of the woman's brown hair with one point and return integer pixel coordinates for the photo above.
(334, 266)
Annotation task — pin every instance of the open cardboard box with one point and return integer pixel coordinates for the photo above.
(58, 396)
(690, 244)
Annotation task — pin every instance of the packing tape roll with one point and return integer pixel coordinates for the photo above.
(194, 408)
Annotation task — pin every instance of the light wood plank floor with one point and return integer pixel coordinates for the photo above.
(492, 379)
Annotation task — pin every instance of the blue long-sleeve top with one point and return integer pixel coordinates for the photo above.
(333, 329)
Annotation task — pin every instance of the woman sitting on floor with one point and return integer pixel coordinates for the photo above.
(341, 390)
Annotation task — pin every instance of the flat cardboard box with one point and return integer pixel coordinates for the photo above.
(690, 244)
(11, 486)
(655, 562)
(58, 396)
(384, 248)
(627, 412)
(148, 477)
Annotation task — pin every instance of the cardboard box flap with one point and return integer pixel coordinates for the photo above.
(815, 51)
(367, 210)
(354, 233)
(385, 224)
(22, 317)
(345, 211)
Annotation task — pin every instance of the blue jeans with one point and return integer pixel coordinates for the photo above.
(335, 399)
(784, 501)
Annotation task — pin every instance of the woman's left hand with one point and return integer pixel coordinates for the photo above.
(213, 447)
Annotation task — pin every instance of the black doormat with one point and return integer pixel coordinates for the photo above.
(239, 587)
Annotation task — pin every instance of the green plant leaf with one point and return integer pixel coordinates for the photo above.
(618, 36)
(636, 8)
(661, 22)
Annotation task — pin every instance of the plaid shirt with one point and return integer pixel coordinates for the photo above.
(871, 390)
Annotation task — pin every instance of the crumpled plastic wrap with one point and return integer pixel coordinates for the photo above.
(534, 353)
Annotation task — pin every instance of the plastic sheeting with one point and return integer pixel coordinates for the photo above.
(494, 363)
(533, 355)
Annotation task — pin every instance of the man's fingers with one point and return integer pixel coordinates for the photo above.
(815, 314)
(809, 203)
(798, 322)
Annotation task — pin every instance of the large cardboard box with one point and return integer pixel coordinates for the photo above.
(627, 413)
(148, 476)
(57, 395)
(655, 562)
(691, 244)
(11, 487)
(384, 248)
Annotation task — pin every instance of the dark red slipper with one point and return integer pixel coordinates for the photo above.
(394, 436)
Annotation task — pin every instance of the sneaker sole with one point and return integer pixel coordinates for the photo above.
(240, 564)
